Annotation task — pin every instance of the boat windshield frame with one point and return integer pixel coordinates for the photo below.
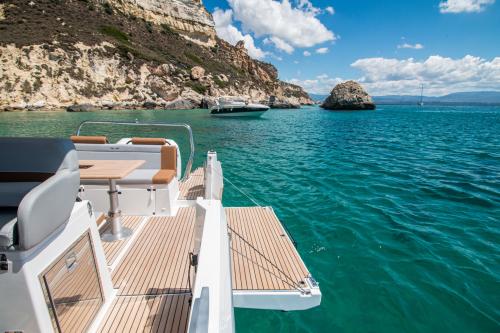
(189, 164)
(232, 100)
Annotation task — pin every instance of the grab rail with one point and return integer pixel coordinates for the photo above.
(189, 164)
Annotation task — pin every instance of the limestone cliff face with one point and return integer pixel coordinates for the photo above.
(124, 55)
(189, 17)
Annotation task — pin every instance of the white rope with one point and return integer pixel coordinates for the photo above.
(242, 192)
(254, 201)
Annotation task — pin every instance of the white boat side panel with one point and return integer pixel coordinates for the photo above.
(253, 114)
(288, 300)
(212, 290)
(28, 265)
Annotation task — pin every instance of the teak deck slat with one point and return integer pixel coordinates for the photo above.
(262, 255)
(158, 261)
(162, 313)
(152, 278)
(74, 317)
(112, 249)
(193, 187)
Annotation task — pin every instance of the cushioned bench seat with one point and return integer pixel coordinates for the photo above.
(8, 221)
(139, 177)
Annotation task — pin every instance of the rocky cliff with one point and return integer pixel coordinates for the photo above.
(124, 54)
(348, 95)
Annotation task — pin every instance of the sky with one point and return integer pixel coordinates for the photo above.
(390, 47)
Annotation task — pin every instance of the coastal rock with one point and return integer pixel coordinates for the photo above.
(180, 104)
(348, 95)
(197, 72)
(116, 60)
(149, 105)
(189, 18)
(81, 108)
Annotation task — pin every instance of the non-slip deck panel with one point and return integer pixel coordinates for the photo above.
(262, 255)
(112, 249)
(163, 313)
(193, 187)
(158, 261)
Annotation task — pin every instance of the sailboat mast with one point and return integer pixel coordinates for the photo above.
(421, 103)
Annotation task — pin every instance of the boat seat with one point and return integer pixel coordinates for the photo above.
(149, 141)
(87, 139)
(8, 227)
(160, 166)
(35, 174)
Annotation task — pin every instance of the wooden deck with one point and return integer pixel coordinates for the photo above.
(112, 249)
(163, 313)
(152, 278)
(76, 317)
(158, 262)
(262, 255)
(193, 187)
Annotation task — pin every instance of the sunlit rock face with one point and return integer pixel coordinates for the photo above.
(95, 54)
(188, 17)
(348, 95)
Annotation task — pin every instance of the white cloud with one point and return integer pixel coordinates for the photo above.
(440, 75)
(296, 26)
(279, 44)
(330, 10)
(416, 46)
(226, 30)
(322, 84)
(464, 6)
(307, 6)
(306, 53)
(322, 50)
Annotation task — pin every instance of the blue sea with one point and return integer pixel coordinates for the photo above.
(396, 212)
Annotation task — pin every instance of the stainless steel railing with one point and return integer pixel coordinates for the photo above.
(189, 164)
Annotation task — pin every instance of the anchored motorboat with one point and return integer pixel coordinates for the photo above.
(237, 107)
(113, 237)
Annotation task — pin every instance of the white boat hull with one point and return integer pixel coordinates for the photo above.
(247, 114)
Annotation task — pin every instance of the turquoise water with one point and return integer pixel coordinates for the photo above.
(396, 212)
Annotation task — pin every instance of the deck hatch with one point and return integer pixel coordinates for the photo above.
(71, 287)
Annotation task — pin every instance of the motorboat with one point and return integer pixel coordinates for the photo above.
(99, 236)
(229, 106)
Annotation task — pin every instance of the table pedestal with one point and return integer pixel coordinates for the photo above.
(117, 231)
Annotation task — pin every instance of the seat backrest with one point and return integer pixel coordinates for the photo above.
(27, 162)
(89, 139)
(156, 156)
(168, 158)
(41, 177)
(148, 141)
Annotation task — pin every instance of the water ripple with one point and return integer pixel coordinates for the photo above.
(396, 212)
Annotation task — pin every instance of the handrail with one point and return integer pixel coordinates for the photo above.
(189, 164)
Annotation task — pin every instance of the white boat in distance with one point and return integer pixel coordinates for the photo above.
(99, 236)
(229, 106)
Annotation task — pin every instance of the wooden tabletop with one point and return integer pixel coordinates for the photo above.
(108, 169)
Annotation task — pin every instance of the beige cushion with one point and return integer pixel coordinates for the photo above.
(89, 139)
(163, 176)
(149, 141)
